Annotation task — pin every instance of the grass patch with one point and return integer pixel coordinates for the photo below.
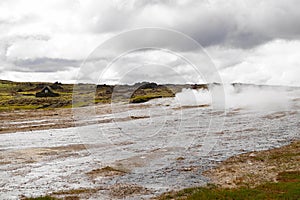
(75, 191)
(280, 164)
(142, 99)
(289, 176)
(17, 95)
(255, 168)
(287, 187)
(21, 95)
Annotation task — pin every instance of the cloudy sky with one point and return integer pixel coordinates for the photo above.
(253, 41)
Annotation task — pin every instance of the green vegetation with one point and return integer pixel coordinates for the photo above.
(287, 187)
(281, 164)
(75, 191)
(264, 166)
(142, 99)
(108, 169)
(22, 95)
(66, 194)
(54, 198)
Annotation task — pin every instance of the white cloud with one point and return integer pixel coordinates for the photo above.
(274, 63)
(250, 41)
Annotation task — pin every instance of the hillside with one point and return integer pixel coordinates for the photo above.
(22, 95)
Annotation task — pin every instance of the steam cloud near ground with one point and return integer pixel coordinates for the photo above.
(247, 97)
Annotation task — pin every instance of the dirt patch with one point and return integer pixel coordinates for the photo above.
(72, 147)
(105, 172)
(254, 168)
(5, 162)
(139, 117)
(233, 112)
(288, 176)
(32, 155)
(30, 120)
(247, 130)
(76, 193)
(133, 162)
(189, 107)
(125, 190)
(278, 115)
(120, 190)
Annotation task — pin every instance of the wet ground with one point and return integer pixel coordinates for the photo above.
(150, 148)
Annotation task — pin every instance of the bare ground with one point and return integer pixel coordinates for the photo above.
(29, 120)
(254, 168)
(32, 155)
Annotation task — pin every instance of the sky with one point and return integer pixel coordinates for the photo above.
(253, 41)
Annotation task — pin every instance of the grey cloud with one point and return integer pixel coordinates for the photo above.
(243, 27)
(244, 24)
(45, 65)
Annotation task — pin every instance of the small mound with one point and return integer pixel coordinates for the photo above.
(105, 172)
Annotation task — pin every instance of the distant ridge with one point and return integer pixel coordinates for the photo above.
(235, 84)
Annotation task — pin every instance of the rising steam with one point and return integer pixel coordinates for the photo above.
(248, 97)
